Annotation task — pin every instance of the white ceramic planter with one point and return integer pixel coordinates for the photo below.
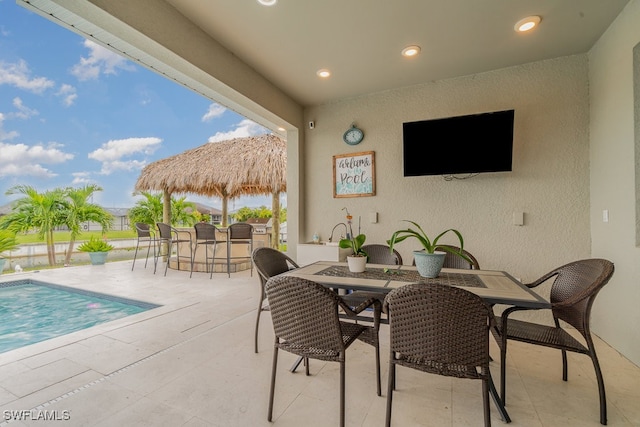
(357, 264)
(429, 265)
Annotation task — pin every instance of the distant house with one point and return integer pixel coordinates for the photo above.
(5, 209)
(120, 220)
(215, 214)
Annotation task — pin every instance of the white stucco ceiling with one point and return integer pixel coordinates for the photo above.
(360, 40)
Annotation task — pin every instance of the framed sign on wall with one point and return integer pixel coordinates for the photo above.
(354, 174)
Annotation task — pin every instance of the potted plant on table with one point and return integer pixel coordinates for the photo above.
(8, 243)
(97, 249)
(358, 259)
(429, 260)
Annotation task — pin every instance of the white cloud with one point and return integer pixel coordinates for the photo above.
(112, 152)
(215, 110)
(99, 61)
(245, 128)
(23, 112)
(81, 178)
(18, 75)
(130, 165)
(24, 160)
(68, 94)
(6, 136)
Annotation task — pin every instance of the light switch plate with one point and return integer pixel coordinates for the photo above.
(518, 218)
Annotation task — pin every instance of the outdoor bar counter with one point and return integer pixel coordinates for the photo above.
(239, 252)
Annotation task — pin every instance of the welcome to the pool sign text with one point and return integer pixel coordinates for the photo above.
(354, 174)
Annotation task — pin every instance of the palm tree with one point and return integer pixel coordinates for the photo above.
(183, 213)
(78, 210)
(42, 211)
(148, 210)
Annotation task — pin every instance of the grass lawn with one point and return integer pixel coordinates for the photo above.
(64, 236)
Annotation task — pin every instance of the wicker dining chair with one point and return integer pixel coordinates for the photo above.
(454, 261)
(269, 262)
(376, 254)
(381, 254)
(306, 322)
(573, 292)
(439, 329)
(145, 235)
(207, 235)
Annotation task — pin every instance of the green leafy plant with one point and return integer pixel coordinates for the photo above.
(355, 244)
(8, 241)
(95, 244)
(430, 246)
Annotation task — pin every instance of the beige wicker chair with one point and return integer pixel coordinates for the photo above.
(573, 291)
(269, 262)
(441, 330)
(306, 322)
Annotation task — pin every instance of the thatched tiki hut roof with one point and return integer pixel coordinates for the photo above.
(229, 169)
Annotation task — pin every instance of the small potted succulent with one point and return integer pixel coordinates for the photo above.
(97, 249)
(8, 243)
(430, 259)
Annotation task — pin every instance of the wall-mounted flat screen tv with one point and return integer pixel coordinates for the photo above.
(459, 145)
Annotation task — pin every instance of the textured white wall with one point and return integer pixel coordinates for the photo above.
(615, 314)
(549, 182)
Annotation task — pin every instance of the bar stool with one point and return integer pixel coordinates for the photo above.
(240, 233)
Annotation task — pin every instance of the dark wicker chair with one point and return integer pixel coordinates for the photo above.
(381, 254)
(269, 262)
(240, 233)
(441, 330)
(377, 254)
(169, 236)
(454, 261)
(306, 322)
(206, 236)
(573, 291)
(145, 235)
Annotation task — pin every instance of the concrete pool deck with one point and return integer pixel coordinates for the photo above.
(191, 363)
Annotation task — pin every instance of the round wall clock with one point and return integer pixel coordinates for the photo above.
(353, 135)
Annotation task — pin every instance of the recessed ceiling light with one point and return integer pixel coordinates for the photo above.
(323, 73)
(527, 23)
(281, 129)
(410, 51)
(267, 2)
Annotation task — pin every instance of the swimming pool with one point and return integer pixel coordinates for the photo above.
(32, 311)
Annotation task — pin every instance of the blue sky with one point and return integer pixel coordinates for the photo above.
(74, 113)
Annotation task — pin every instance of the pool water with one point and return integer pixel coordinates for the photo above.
(33, 311)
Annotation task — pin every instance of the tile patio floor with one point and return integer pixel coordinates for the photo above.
(191, 363)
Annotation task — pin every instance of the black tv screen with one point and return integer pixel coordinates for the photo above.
(459, 145)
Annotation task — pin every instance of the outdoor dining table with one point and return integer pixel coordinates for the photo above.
(493, 286)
